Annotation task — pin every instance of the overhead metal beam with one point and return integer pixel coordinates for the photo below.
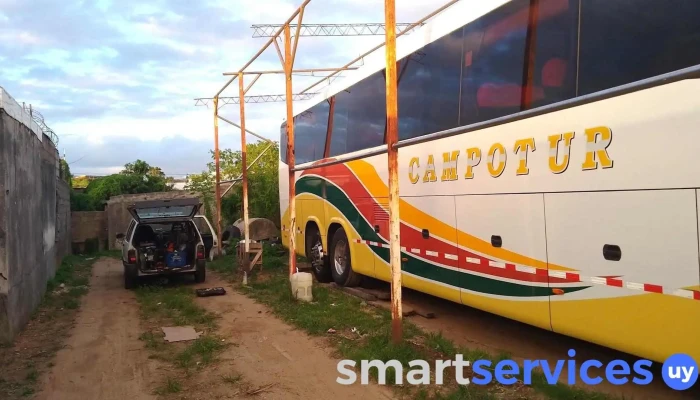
(356, 29)
(296, 71)
(265, 98)
(379, 46)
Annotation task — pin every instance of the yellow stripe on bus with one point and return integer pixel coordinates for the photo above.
(370, 179)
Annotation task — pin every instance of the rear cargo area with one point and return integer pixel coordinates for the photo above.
(165, 246)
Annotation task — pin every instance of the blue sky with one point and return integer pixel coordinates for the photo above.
(115, 79)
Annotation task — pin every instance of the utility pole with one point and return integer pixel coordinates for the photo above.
(218, 175)
(392, 135)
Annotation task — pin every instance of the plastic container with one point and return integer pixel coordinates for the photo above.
(301, 286)
(176, 259)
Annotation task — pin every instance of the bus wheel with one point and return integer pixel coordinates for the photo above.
(314, 253)
(341, 265)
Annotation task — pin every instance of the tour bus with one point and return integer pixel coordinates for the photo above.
(549, 168)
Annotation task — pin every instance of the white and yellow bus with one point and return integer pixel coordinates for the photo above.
(549, 162)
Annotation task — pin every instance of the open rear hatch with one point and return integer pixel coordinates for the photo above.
(164, 210)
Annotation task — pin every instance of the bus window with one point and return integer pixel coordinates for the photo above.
(554, 74)
(340, 125)
(623, 41)
(283, 142)
(310, 133)
(428, 90)
(360, 116)
(493, 66)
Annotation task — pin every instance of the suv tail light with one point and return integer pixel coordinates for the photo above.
(132, 256)
(200, 252)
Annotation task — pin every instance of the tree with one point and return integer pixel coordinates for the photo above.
(263, 183)
(137, 167)
(137, 177)
(65, 172)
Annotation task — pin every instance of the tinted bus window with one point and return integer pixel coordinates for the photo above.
(623, 41)
(556, 42)
(428, 90)
(310, 133)
(493, 64)
(360, 116)
(283, 142)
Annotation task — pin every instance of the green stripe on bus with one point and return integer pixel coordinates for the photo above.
(413, 265)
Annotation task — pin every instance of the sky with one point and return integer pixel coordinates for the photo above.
(116, 79)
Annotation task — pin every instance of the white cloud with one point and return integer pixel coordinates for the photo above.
(129, 78)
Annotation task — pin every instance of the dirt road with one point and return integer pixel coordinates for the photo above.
(268, 351)
(476, 329)
(104, 359)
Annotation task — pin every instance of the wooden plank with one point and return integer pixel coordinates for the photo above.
(379, 294)
(406, 311)
(357, 293)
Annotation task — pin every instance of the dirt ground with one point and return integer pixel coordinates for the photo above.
(481, 330)
(104, 358)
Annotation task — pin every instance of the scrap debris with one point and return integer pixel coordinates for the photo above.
(260, 389)
(215, 291)
(180, 333)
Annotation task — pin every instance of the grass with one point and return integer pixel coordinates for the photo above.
(168, 387)
(175, 306)
(49, 325)
(362, 332)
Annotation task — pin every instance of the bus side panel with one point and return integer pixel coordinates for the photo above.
(284, 203)
(515, 223)
(430, 262)
(697, 203)
(656, 236)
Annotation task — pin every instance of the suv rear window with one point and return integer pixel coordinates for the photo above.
(164, 212)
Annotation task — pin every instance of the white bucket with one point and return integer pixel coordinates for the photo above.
(301, 286)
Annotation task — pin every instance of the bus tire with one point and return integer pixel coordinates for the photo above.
(340, 262)
(320, 268)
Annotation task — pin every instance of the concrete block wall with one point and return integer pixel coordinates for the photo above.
(88, 225)
(63, 220)
(32, 231)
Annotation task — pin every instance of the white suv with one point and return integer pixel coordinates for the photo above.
(163, 238)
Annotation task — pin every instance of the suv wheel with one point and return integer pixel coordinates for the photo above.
(131, 276)
(201, 274)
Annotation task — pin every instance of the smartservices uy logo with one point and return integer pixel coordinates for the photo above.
(679, 372)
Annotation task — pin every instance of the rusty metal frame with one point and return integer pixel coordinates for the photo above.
(392, 136)
(287, 60)
(379, 46)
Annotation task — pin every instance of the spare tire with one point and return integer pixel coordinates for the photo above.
(231, 232)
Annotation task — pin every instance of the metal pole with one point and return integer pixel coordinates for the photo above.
(290, 149)
(244, 166)
(234, 181)
(218, 175)
(403, 32)
(392, 111)
(296, 71)
(247, 130)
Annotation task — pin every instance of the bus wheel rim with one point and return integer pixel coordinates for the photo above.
(340, 259)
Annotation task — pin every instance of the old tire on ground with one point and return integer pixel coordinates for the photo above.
(131, 276)
(340, 262)
(322, 269)
(200, 275)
